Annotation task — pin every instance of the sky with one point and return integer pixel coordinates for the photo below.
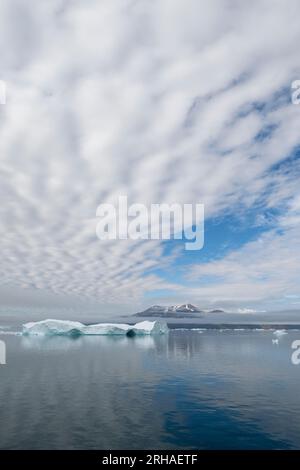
(164, 101)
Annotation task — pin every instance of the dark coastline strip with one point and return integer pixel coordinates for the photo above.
(234, 326)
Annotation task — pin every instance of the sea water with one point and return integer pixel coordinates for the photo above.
(196, 389)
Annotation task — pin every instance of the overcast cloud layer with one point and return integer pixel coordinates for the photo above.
(162, 100)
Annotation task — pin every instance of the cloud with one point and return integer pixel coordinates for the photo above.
(163, 101)
(262, 270)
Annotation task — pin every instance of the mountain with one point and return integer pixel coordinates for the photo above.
(174, 311)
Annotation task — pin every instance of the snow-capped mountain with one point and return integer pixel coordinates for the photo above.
(184, 310)
(176, 311)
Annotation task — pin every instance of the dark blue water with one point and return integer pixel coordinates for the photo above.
(209, 390)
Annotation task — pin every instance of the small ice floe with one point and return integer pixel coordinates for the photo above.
(279, 333)
(10, 333)
(200, 330)
(73, 328)
(6, 330)
(275, 341)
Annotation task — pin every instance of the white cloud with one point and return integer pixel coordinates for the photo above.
(139, 98)
(263, 270)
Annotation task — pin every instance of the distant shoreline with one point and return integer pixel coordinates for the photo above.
(235, 326)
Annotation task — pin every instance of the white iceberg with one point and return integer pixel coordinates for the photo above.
(279, 333)
(73, 328)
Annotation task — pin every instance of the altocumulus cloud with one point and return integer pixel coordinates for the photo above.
(165, 101)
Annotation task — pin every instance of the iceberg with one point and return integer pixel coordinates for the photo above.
(74, 328)
(279, 333)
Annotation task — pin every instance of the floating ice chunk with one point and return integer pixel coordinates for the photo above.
(149, 327)
(275, 341)
(280, 333)
(73, 328)
(54, 327)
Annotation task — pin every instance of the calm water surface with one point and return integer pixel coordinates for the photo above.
(188, 389)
